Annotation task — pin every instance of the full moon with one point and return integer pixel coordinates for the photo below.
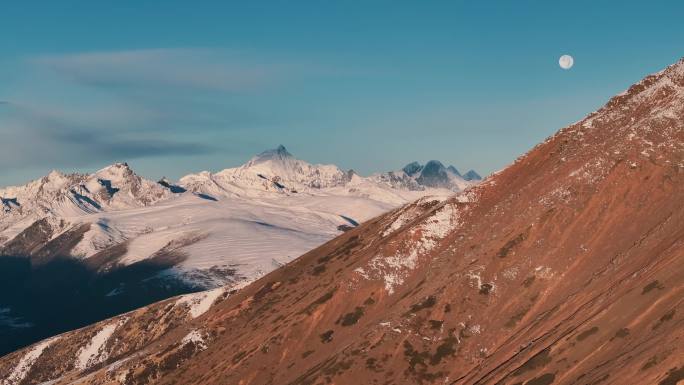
(566, 62)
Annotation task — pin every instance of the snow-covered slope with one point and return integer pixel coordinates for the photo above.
(224, 241)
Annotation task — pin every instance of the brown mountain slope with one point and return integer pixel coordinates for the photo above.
(565, 268)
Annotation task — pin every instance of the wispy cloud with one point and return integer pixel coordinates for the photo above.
(35, 137)
(195, 68)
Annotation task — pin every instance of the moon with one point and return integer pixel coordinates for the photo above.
(566, 62)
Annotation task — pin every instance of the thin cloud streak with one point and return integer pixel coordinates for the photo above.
(33, 137)
(185, 68)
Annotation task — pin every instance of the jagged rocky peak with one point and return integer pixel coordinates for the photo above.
(116, 172)
(55, 180)
(278, 170)
(454, 170)
(113, 187)
(278, 153)
(433, 174)
(412, 168)
(472, 176)
(351, 174)
(109, 180)
(54, 175)
(433, 166)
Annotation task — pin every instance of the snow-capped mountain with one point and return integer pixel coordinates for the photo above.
(132, 235)
(278, 171)
(60, 195)
(471, 176)
(271, 171)
(269, 178)
(416, 177)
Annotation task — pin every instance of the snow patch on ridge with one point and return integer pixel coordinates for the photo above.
(200, 302)
(394, 269)
(403, 218)
(195, 337)
(409, 213)
(26, 362)
(94, 353)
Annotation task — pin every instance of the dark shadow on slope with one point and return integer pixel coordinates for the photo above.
(207, 197)
(107, 184)
(351, 221)
(64, 293)
(84, 201)
(172, 187)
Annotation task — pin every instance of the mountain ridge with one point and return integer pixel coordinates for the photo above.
(93, 192)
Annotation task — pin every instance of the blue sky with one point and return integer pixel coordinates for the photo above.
(175, 87)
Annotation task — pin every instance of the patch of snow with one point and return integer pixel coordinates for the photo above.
(403, 218)
(543, 272)
(441, 223)
(95, 353)
(475, 275)
(197, 338)
(199, 303)
(475, 329)
(26, 362)
(362, 272)
(394, 268)
(510, 273)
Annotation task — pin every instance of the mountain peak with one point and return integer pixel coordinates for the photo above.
(454, 170)
(116, 172)
(55, 180)
(120, 166)
(54, 174)
(412, 168)
(278, 153)
(472, 175)
(434, 164)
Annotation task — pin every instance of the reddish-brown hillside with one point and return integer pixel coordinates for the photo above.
(565, 268)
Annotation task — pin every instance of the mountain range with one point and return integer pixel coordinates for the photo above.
(78, 248)
(564, 268)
